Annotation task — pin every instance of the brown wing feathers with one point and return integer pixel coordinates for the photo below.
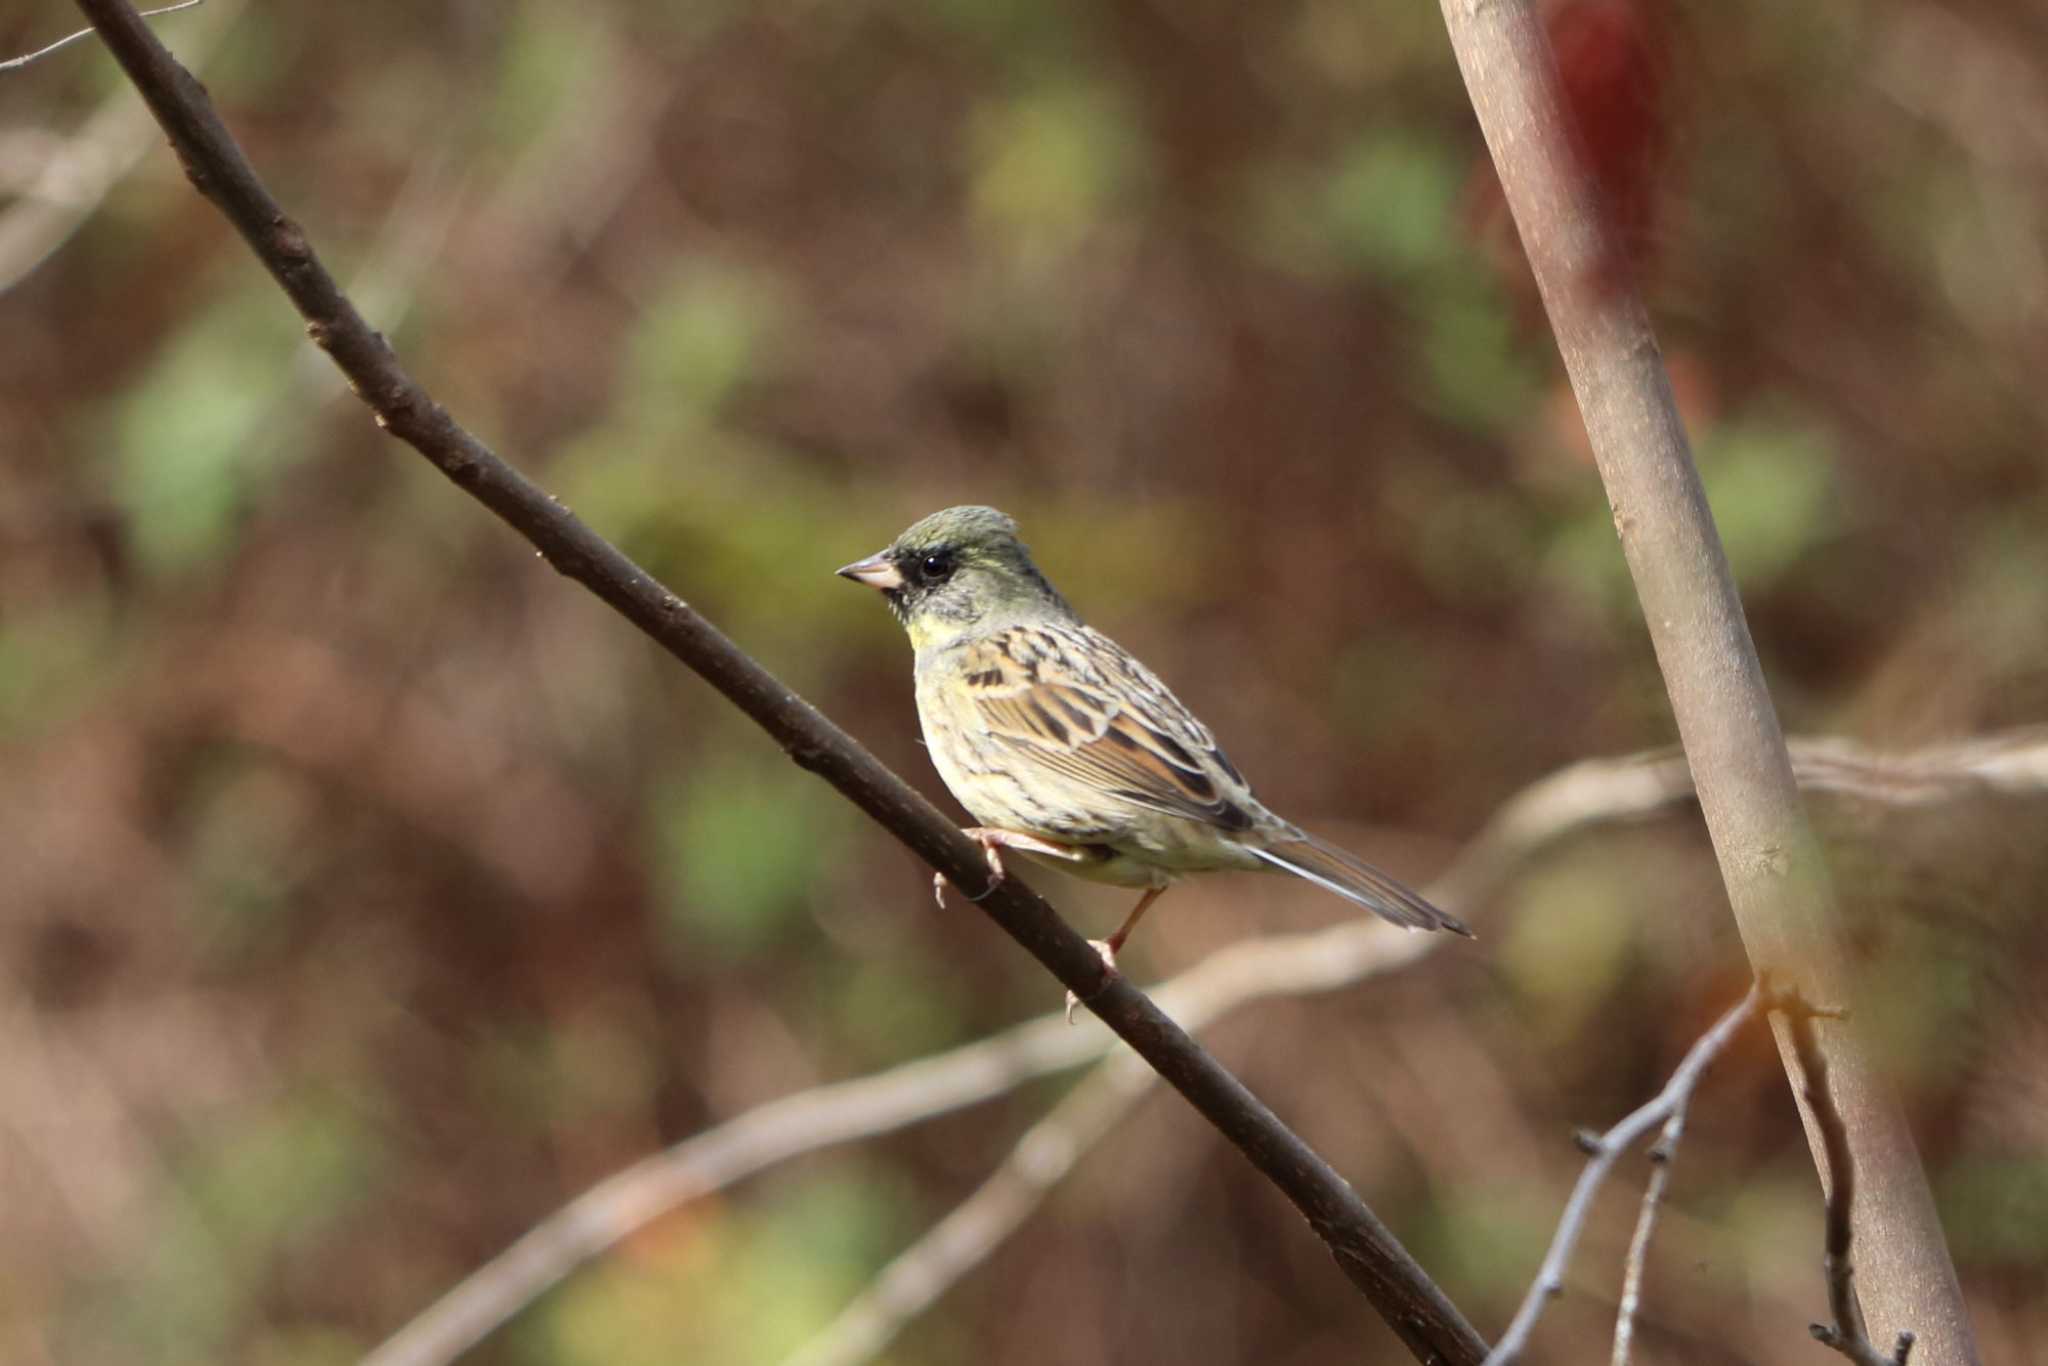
(1045, 696)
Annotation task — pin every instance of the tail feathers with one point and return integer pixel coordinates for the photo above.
(1356, 880)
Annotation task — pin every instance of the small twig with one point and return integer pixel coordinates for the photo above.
(1603, 1151)
(1661, 1154)
(12, 62)
(1847, 1334)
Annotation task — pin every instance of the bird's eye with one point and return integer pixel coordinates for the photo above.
(937, 565)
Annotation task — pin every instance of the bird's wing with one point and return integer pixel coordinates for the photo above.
(1074, 702)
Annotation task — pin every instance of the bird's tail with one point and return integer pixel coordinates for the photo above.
(1356, 880)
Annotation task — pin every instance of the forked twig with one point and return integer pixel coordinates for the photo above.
(1602, 1152)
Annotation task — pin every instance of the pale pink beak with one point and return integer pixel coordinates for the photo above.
(876, 571)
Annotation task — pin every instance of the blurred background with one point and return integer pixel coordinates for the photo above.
(367, 890)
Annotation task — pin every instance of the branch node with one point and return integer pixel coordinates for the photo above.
(1588, 1142)
(288, 240)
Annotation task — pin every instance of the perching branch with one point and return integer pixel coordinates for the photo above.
(1412, 1305)
(1553, 808)
(1602, 1152)
(1777, 882)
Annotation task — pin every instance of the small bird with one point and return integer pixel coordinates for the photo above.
(1068, 750)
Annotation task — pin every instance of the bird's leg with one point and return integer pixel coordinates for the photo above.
(1109, 947)
(991, 840)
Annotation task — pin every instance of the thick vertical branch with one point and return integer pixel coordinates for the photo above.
(1777, 883)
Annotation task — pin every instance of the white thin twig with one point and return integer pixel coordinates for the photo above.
(11, 63)
(1661, 1154)
(63, 186)
(1603, 1151)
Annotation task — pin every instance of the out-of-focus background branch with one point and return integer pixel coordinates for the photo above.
(1554, 808)
(366, 895)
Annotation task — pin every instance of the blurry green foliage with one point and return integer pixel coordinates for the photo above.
(702, 336)
(1931, 987)
(1391, 202)
(303, 1346)
(546, 58)
(56, 658)
(581, 1067)
(1475, 541)
(741, 842)
(1768, 1222)
(910, 1002)
(735, 1284)
(1048, 166)
(1116, 562)
(252, 837)
(1177, 285)
(1570, 938)
(1995, 1208)
(1383, 682)
(255, 1191)
(190, 447)
(1482, 372)
(1022, 33)
(1486, 1236)
(2002, 594)
(1388, 208)
(1360, 47)
(1772, 484)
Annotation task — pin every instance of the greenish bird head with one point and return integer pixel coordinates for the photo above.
(957, 571)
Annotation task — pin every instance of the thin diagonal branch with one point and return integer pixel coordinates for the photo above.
(1603, 1151)
(1412, 1305)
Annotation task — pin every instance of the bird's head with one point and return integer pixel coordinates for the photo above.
(959, 570)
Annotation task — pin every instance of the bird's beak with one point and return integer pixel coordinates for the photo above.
(875, 571)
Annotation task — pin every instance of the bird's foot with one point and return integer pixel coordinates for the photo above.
(1107, 948)
(996, 871)
(993, 842)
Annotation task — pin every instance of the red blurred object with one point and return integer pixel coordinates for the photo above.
(1612, 60)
